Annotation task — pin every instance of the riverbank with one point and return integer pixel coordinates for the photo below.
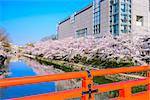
(2, 60)
(57, 64)
(69, 67)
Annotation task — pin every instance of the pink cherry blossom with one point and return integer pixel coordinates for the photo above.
(134, 45)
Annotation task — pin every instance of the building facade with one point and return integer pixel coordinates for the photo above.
(107, 16)
(77, 25)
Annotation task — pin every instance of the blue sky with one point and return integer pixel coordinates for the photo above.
(30, 20)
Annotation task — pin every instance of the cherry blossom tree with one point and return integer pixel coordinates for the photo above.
(4, 43)
(133, 46)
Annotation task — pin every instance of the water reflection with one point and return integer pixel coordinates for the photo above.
(20, 69)
(41, 69)
(28, 67)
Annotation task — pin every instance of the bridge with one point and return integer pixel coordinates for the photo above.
(87, 91)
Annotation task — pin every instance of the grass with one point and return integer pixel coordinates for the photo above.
(102, 80)
(138, 89)
(109, 63)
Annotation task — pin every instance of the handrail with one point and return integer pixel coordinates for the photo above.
(66, 76)
(119, 70)
(77, 92)
(38, 79)
(87, 91)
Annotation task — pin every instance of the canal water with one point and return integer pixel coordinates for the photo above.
(20, 68)
(28, 67)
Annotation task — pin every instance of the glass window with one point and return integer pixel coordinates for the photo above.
(81, 33)
(96, 18)
(116, 18)
(116, 29)
(116, 8)
(139, 20)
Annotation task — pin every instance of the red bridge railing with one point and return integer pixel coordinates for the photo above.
(87, 91)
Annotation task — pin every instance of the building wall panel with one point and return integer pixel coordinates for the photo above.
(140, 8)
(105, 17)
(84, 20)
(65, 30)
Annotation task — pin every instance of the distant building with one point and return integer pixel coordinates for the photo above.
(52, 37)
(107, 16)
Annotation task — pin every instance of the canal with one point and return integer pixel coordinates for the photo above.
(28, 67)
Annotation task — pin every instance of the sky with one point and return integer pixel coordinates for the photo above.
(30, 20)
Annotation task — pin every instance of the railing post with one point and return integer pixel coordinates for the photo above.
(148, 76)
(87, 87)
(148, 85)
(125, 93)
